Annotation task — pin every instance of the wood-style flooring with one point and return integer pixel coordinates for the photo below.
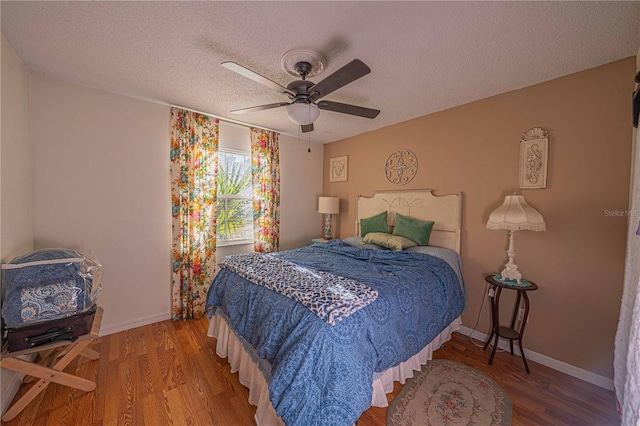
(168, 374)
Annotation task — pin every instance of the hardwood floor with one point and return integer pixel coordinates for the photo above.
(168, 374)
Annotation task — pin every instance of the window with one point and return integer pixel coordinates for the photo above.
(235, 209)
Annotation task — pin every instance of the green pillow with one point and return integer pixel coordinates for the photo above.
(416, 230)
(389, 241)
(377, 223)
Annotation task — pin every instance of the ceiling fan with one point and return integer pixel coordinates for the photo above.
(305, 96)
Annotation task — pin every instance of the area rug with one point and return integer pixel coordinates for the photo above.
(447, 393)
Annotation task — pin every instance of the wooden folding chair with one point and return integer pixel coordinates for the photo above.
(53, 374)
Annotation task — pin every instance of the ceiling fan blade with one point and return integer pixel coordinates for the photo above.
(306, 128)
(345, 75)
(348, 109)
(259, 108)
(246, 72)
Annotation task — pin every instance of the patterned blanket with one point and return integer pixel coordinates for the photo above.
(330, 297)
(321, 374)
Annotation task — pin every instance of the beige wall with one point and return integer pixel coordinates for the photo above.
(17, 157)
(102, 184)
(578, 263)
(16, 178)
(300, 186)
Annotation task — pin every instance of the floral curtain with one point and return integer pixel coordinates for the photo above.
(265, 171)
(194, 165)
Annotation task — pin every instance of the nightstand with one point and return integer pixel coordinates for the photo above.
(320, 240)
(510, 332)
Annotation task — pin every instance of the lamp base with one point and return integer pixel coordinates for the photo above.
(327, 227)
(511, 272)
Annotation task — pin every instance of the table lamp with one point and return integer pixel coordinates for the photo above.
(515, 215)
(328, 206)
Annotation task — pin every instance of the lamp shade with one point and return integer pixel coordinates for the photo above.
(516, 215)
(302, 113)
(329, 205)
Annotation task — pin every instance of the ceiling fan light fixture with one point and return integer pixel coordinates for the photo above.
(302, 113)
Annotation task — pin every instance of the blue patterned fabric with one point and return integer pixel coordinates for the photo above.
(52, 300)
(44, 285)
(322, 374)
(331, 297)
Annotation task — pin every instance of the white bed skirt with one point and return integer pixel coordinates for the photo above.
(228, 346)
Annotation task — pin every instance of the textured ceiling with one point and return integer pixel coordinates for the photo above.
(425, 56)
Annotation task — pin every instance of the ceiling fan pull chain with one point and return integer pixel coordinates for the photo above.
(309, 133)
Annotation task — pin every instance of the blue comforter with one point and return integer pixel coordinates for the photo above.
(321, 374)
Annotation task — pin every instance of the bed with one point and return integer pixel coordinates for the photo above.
(326, 359)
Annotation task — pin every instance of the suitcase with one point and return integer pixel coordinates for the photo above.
(69, 328)
(48, 284)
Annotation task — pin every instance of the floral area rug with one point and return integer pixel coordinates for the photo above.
(447, 393)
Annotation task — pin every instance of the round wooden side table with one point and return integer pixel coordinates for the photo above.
(510, 332)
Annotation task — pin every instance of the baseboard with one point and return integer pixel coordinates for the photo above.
(587, 376)
(139, 322)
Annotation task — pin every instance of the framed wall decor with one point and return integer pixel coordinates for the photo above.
(338, 169)
(534, 148)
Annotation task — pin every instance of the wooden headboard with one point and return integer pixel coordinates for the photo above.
(445, 211)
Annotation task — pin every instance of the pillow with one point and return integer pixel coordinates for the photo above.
(358, 242)
(389, 241)
(416, 230)
(377, 223)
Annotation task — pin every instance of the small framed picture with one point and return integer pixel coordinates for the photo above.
(338, 169)
(534, 147)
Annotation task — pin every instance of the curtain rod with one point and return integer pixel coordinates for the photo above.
(230, 120)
